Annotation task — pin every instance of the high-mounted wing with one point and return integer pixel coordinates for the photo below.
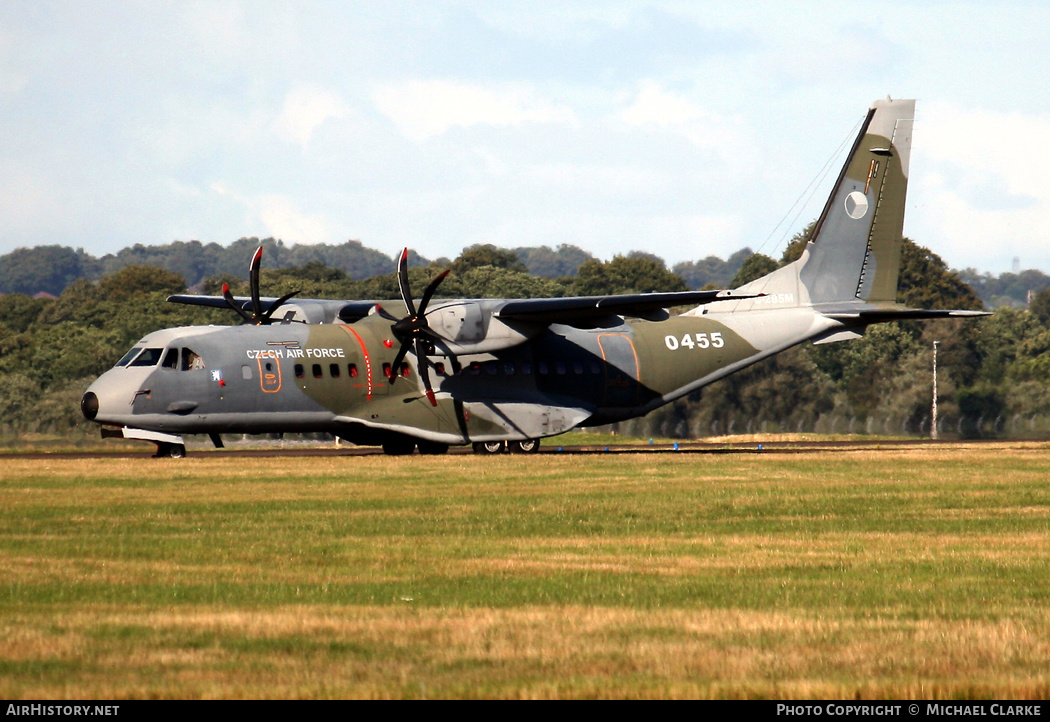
(581, 309)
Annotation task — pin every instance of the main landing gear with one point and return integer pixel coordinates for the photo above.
(523, 446)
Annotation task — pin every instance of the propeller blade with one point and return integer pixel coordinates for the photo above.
(429, 292)
(277, 304)
(233, 303)
(386, 314)
(424, 371)
(394, 367)
(402, 282)
(253, 282)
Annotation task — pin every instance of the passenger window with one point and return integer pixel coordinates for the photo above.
(544, 368)
(559, 368)
(148, 357)
(352, 368)
(526, 368)
(387, 371)
(299, 371)
(491, 367)
(508, 368)
(439, 368)
(317, 371)
(246, 372)
(577, 368)
(334, 370)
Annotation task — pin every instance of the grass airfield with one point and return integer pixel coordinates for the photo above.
(911, 572)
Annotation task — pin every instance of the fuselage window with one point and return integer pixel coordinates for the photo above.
(526, 368)
(246, 372)
(299, 371)
(333, 369)
(508, 368)
(387, 371)
(352, 368)
(126, 359)
(148, 357)
(559, 367)
(317, 371)
(405, 368)
(474, 368)
(544, 368)
(439, 368)
(491, 367)
(191, 360)
(171, 359)
(577, 368)
(596, 368)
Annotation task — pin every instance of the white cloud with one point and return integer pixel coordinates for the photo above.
(422, 109)
(656, 107)
(306, 109)
(980, 183)
(280, 217)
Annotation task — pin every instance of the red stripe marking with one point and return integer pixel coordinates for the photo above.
(368, 361)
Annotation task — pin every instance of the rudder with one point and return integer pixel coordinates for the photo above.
(854, 252)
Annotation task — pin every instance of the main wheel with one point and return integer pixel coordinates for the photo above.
(399, 446)
(488, 447)
(524, 446)
(431, 448)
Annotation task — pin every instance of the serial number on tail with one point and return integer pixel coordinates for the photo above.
(696, 340)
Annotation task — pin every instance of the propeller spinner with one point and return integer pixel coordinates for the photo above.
(258, 316)
(413, 331)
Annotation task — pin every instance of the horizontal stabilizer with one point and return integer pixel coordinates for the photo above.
(877, 315)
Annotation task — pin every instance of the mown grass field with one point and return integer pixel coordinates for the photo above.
(918, 572)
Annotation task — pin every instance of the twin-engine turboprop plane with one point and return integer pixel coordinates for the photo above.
(502, 374)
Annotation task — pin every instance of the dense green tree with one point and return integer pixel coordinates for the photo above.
(487, 255)
(756, 266)
(547, 263)
(47, 269)
(711, 271)
(137, 280)
(926, 282)
(623, 274)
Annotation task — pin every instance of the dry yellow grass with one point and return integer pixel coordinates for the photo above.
(906, 573)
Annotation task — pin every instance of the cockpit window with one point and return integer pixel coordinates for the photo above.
(129, 355)
(148, 357)
(191, 360)
(171, 359)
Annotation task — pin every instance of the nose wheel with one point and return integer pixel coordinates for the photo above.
(169, 451)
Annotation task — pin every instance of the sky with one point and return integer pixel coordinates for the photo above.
(683, 129)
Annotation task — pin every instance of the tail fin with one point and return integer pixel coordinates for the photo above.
(854, 251)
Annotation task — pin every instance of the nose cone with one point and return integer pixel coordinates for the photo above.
(89, 406)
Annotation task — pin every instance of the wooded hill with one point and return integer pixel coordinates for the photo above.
(994, 372)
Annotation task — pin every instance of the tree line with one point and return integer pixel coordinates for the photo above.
(50, 269)
(994, 373)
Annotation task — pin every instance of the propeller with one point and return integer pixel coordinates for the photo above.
(413, 331)
(258, 316)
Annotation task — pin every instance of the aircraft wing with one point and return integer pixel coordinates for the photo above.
(588, 308)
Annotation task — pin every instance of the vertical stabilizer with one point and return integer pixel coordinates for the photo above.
(853, 255)
(854, 252)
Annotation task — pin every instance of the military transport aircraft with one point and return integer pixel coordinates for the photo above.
(502, 374)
